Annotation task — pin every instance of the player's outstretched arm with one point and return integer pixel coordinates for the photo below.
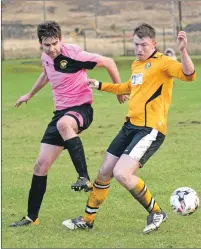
(111, 67)
(120, 88)
(187, 64)
(40, 83)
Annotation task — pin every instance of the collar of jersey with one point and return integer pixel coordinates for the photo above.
(155, 54)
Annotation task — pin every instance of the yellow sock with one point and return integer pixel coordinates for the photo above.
(142, 194)
(96, 198)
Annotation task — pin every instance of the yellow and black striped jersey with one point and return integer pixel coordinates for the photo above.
(150, 88)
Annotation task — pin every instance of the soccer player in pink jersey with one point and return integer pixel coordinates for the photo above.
(64, 66)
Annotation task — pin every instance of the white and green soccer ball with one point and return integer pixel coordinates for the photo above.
(184, 201)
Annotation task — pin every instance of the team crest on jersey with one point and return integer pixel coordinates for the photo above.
(63, 64)
(147, 65)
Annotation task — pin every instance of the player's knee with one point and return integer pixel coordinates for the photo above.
(41, 167)
(104, 173)
(120, 176)
(63, 125)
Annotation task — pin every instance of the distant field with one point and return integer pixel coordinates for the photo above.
(109, 46)
(106, 17)
(120, 222)
(111, 14)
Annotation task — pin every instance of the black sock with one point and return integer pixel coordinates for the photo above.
(36, 193)
(76, 151)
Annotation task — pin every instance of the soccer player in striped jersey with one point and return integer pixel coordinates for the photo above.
(150, 88)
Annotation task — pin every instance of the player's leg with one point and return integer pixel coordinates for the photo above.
(97, 196)
(74, 121)
(101, 187)
(48, 154)
(102, 182)
(145, 143)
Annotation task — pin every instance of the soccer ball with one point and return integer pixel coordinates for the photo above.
(184, 201)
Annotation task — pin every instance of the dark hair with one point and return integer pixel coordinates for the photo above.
(48, 29)
(145, 30)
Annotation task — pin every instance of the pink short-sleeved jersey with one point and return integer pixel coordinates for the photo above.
(68, 77)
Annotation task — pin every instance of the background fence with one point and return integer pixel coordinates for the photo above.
(101, 26)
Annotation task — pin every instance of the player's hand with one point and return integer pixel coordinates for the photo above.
(181, 40)
(24, 98)
(93, 83)
(122, 98)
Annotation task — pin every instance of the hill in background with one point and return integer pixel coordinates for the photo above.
(107, 18)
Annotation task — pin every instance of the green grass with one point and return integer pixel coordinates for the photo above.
(120, 221)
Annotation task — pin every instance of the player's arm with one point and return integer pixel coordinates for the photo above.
(187, 64)
(90, 60)
(111, 67)
(119, 88)
(185, 70)
(40, 83)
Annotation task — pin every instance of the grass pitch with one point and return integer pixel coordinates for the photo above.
(121, 219)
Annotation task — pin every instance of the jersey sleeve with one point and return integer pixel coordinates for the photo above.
(89, 60)
(121, 88)
(174, 69)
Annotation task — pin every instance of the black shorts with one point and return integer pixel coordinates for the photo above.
(138, 142)
(82, 114)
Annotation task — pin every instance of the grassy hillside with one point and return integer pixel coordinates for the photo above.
(106, 17)
(110, 14)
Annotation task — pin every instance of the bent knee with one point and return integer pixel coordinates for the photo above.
(104, 172)
(62, 125)
(120, 176)
(41, 167)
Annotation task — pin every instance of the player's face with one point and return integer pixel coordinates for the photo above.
(144, 47)
(51, 46)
